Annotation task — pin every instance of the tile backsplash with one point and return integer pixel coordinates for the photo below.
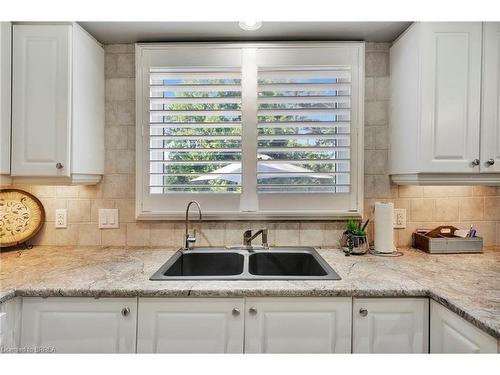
(426, 206)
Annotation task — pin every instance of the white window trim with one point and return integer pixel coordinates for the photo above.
(357, 140)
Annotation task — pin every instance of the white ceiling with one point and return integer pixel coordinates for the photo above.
(131, 32)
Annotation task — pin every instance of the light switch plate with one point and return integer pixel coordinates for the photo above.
(108, 218)
(61, 218)
(399, 218)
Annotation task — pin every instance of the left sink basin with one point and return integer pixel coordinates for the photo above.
(196, 264)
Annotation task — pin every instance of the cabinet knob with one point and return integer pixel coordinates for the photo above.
(125, 311)
(490, 161)
(236, 311)
(252, 310)
(475, 162)
(59, 166)
(363, 312)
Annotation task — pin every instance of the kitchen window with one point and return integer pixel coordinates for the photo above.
(250, 130)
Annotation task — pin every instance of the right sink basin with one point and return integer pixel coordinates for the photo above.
(285, 264)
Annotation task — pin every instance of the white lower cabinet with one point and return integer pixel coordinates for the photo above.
(390, 325)
(452, 334)
(80, 325)
(190, 325)
(10, 324)
(298, 325)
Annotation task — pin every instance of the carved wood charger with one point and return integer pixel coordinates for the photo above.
(21, 216)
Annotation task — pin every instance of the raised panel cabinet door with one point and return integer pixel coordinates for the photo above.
(390, 325)
(79, 325)
(298, 325)
(450, 99)
(190, 325)
(490, 126)
(452, 334)
(41, 100)
(5, 95)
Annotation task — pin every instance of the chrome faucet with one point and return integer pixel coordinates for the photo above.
(248, 238)
(188, 239)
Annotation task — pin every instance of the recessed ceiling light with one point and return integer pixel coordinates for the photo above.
(250, 25)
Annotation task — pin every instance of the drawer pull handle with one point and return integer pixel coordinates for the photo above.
(236, 311)
(252, 311)
(490, 161)
(363, 312)
(59, 166)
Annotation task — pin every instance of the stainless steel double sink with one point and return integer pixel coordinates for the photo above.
(275, 263)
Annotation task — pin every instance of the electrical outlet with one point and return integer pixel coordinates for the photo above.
(399, 218)
(61, 218)
(108, 218)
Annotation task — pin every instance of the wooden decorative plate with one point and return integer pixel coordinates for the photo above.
(21, 216)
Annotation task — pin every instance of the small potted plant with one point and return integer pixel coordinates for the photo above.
(354, 239)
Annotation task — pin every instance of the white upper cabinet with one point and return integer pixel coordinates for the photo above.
(452, 334)
(390, 325)
(190, 325)
(5, 96)
(490, 135)
(298, 325)
(80, 325)
(436, 104)
(57, 105)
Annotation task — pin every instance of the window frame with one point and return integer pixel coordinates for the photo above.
(249, 132)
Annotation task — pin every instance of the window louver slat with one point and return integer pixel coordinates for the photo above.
(195, 130)
(303, 130)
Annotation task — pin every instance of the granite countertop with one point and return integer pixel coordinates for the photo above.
(468, 284)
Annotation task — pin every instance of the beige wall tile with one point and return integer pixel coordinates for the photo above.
(376, 113)
(67, 191)
(166, 234)
(287, 234)
(46, 236)
(483, 191)
(114, 237)
(447, 191)
(446, 210)
(118, 186)
(471, 209)
(78, 210)
(50, 205)
(377, 64)
(409, 191)
(379, 186)
(492, 208)
(119, 89)
(126, 209)
(90, 191)
(311, 234)
(41, 191)
(116, 137)
(422, 209)
(209, 233)
(67, 236)
(89, 235)
(138, 234)
(376, 161)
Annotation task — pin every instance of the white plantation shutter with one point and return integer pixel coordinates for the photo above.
(303, 141)
(252, 130)
(195, 130)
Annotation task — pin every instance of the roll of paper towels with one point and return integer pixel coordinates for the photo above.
(384, 232)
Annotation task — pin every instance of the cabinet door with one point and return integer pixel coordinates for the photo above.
(490, 131)
(10, 324)
(452, 334)
(450, 91)
(5, 95)
(190, 325)
(390, 325)
(298, 325)
(41, 100)
(80, 325)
